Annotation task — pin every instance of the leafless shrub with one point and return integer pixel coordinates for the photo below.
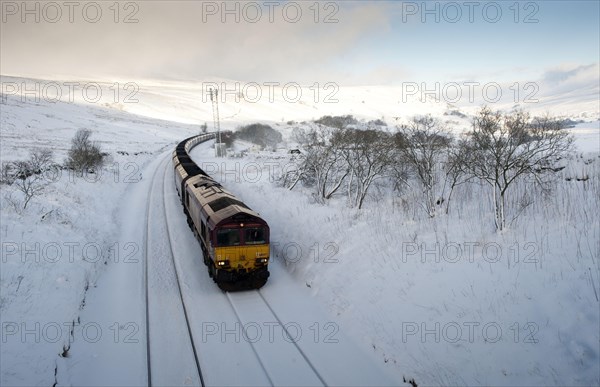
(84, 154)
(424, 146)
(368, 154)
(322, 165)
(30, 186)
(40, 160)
(26, 176)
(260, 134)
(503, 148)
(7, 172)
(338, 122)
(454, 172)
(334, 158)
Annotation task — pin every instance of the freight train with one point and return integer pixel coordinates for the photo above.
(234, 239)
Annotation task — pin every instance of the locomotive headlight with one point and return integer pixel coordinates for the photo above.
(262, 260)
(223, 263)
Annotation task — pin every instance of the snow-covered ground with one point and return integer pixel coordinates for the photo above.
(445, 301)
(54, 251)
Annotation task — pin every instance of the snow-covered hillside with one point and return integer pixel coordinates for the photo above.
(54, 251)
(275, 102)
(445, 301)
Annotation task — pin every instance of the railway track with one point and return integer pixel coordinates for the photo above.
(196, 334)
(260, 362)
(171, 354)
(279, 352)
(187, 331)
(185, 311)
(145, 279)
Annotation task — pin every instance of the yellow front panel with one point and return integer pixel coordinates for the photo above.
(242, 257)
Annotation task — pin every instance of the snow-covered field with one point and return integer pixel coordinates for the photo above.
(54, 251)
(446, 301)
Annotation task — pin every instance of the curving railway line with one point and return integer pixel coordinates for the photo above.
(175, 358)
(179, 348)
(197, 334)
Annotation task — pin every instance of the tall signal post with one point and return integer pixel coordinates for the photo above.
(214, 98)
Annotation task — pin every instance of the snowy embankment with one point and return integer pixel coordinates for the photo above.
(444, 300)
(447, 300)
(55, 250)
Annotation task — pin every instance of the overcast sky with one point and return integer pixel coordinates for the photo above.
(359, 42)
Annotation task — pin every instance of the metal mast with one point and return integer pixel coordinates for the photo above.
(214, 98)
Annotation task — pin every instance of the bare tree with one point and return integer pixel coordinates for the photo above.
(503, 148)
(30, 186)
(26, 175)
(455, 171)
(369, 154)
(40, 160)
(334, 167)
(7, 174)
(425, 144)
(400, 170)
(322, 165)
(292, 176)
(84, 154)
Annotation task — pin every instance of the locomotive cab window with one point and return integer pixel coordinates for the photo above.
(228, 237)
(254, 236)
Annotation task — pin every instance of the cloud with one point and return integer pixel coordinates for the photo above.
(184, 40)
(572, 76)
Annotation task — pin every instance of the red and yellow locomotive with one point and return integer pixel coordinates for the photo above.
(234, 239)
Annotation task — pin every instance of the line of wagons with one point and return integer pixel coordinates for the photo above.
(234, 238)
